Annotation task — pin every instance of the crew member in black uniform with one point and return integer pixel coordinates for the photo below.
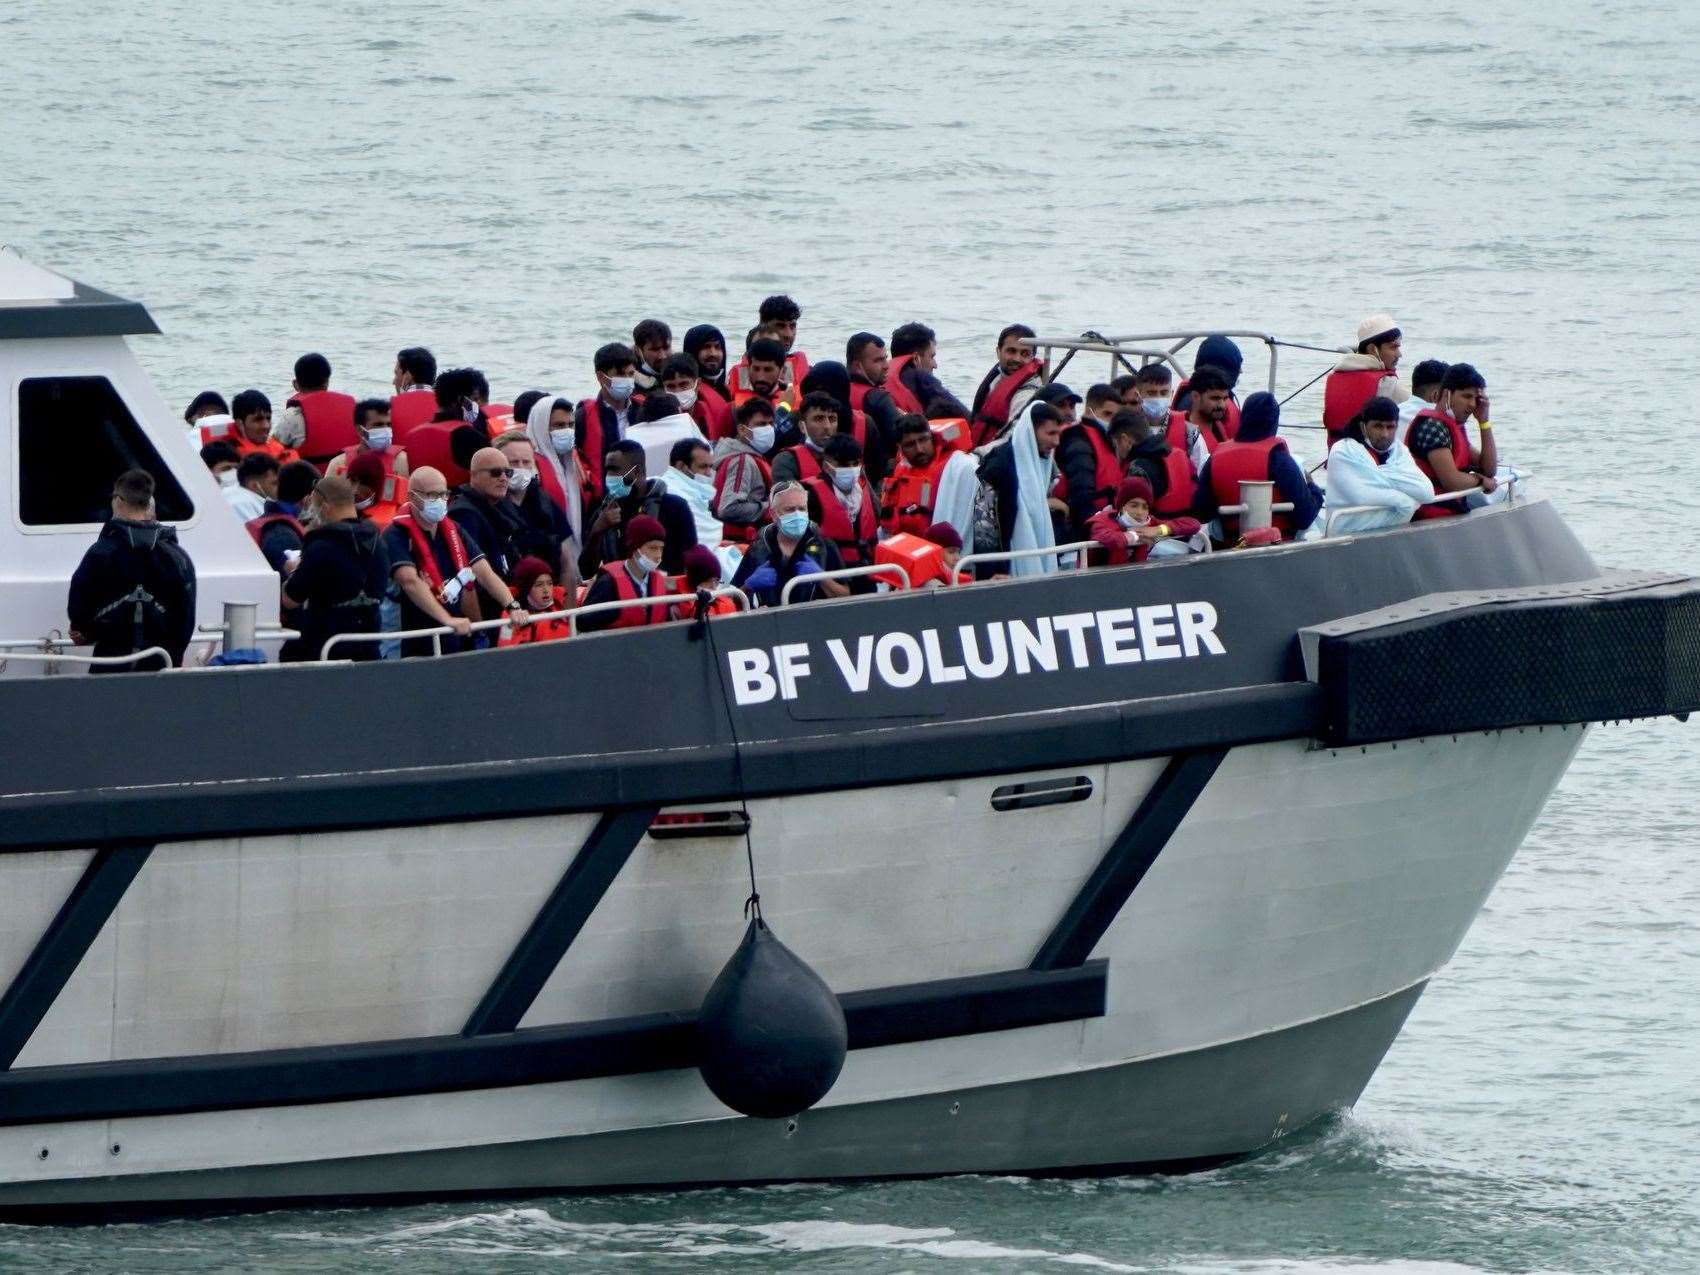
(135, 587)
(340, 581)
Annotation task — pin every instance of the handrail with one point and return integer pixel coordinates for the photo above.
(1279, 507)
(94, 661)
(843, 573)
(665, 599)
(1440, 497)
(436, 633)
(1080, 547)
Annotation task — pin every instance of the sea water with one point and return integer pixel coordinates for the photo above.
(516, 181)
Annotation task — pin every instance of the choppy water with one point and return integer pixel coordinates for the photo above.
(514, 182)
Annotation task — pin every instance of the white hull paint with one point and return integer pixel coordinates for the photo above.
(1305, 886)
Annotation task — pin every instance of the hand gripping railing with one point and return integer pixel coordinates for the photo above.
(843, 573)
(666, 599)
(436, 633)
(1080, 547)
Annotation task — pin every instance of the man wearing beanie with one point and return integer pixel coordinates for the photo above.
(638, 575)
(1363, 375)
(1256, 454)
(1126, 532)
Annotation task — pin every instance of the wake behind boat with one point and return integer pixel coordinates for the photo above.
(1138, 866)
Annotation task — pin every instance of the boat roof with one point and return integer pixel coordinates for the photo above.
(37, 303)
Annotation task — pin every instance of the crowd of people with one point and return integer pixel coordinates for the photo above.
(439, 507)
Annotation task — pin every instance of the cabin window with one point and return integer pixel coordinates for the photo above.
(75, 436)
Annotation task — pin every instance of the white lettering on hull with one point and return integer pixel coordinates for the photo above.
(984, 652)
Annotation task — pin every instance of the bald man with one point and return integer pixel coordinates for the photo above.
(481, 508)
(340, 581)
(440, 569)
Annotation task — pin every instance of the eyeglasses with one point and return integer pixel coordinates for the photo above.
(496, 472)
(439, 494)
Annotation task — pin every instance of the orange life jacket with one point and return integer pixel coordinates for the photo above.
(329, 416)
(1344, 394)
(540, 631)
(738, 381)
(257, 526)
(428, 445)
(908, 487)
(855, 543)
(1108, 469)
(271, 447)
(1178, 496)
(1235, 462)
(1463, 456)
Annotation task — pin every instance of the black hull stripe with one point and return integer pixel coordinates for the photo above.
(537, 1055)
(65, 942)
(563, 915)
(1128, 859)
(843, 758)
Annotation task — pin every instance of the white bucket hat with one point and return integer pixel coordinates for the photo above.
(1376, 325)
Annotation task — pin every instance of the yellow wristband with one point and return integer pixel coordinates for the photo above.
(1163, 527)
(1484, 426)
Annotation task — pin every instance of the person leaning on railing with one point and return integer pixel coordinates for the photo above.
(1368, 467)
(638, 575)
(1441, 445)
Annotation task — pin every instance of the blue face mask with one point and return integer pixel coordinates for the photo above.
(1156, 408)
(794, 524)
(845, 479)
(618, 487)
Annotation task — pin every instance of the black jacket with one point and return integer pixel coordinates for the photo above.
(340, 582)
(653, 499)
(495, 525)
(1147, 462)
(1079, 465)
(134, 588)
(765, 551)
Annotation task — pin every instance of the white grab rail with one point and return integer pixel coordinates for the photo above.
(843, 573)
(94, 661)
(666, 599)
(436, 633)
(1440, 497)
(1079, 547)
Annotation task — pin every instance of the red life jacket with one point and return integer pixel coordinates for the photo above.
(1463, 456)
(223, 431)
(428, 445)
(1108, 471)
(739, 533)
(587, 442)
(626, 587)
(808, 465)
(910, 486)
(1234, 462)
(409, 410)
(900, 393)
(1344, 395)
(855, 543)
(738, 381)
(1177, 497)
(552, 483)
(713, 416)
(1230, 424)
(329, 416)
(423, 557)
(1178, 429)
(392, 490)
(257, 526)
(993, 416)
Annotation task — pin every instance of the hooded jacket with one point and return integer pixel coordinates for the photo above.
(134, 588)
(1261, 419)
(698, 337)
(339, 584)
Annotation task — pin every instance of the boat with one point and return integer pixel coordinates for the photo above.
(1133, 868)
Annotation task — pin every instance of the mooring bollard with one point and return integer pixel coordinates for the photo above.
(1257, 497)
(239, 626)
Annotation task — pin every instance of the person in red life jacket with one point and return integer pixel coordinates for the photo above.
(707, 345)
(869, 363)
(639, 574)
(1256, 455)
(912, 380)
(600, 421)
(788, 547)
(340, 582)
(376, 439)
(780, 315)
(818, 416)
(1006, 390)
(1363, 375)
(630, 492)
(1126, 532)
(1221, 353)
(543, 529)
(844, 507)
(908, 497)
(279, 529)
(702, 576)
(256, 481)
(762, 375)
(433, 563)
(712, 414)
(415, 401)
(1441, 445)
(742, 475)
(652, 340)
(1091, 470)
(1169, 470)
(317, 421)
(1206, 417)
(253, 433)
(535, 587)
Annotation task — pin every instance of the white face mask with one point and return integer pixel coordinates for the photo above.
(227, 478)
(379, 439)
(519, 480)
(761, 438)
(687, 398)
(561, 439)
(705, 481)
(621, 388)
(643, 564)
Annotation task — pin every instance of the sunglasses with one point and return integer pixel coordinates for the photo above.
(497, 471)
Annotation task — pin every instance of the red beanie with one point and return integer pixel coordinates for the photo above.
(367, 469)
(701, 565)
(1133, 489)
(943, 535)
(527, 571)
(641, 530)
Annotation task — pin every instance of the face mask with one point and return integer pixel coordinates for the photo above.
(561, 440)
(643, 564)
(367, 503)
(687, 398)
(618, 487)
(227, 478)
(469, 413)
(1156, 408)
(1379, 451)
(379, 439)
(794, 524)
(761, 438)
(705, 481)
(435, 510)
(620, 388)
(845, 479)
(1130, 522)
(520, 479)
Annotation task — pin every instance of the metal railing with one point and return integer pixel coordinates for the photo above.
(93, 661)
(666, 599)
(843, 573)
(1510, 484)
(1122, 349)
(1078, 547)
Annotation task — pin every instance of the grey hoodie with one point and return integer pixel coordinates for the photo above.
(740, 487)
